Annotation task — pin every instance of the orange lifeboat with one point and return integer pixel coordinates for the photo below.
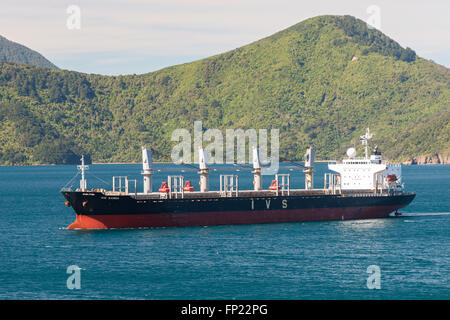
(274, 185)
(188, 186)
(164, 188)
(391, 178)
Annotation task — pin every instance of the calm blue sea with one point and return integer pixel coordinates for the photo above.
(314, 260)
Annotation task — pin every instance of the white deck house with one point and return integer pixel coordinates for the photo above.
(366, 173)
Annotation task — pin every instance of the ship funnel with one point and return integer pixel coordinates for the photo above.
(257, 181)
(147, 169)
(309, 168)
(204, 171)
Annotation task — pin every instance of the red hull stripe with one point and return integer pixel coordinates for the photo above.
(227, 217)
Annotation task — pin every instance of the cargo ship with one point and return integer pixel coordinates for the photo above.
(357, 188)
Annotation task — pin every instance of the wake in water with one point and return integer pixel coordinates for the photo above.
(424, 214)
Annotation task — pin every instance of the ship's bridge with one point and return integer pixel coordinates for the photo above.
(368, 172)
(374, 159)
(357, 173)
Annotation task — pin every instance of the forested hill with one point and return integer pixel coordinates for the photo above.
(322, 82)
(17, 53)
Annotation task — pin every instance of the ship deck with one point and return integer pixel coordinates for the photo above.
(249, 193)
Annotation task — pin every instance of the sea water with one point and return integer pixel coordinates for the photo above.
(309, 260)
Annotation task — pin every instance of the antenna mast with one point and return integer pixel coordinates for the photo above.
(365, 142)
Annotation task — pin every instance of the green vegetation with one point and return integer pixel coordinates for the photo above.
(322, 82)
(17, 53)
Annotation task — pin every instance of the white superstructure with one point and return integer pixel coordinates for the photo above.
(368, 172)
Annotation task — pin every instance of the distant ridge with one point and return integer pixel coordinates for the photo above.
(14, 52)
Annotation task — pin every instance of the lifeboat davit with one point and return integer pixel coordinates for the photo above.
(274, 185)
(164, 188)
(188, 186)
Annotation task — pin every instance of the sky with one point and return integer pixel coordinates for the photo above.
(138, 36)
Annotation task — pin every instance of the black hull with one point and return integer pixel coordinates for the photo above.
(95, 210)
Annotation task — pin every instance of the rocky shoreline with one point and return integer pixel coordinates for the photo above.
(436, 158)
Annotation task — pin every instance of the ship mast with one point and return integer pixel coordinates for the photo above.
(309, 168)
(365, 142)
(257, 181)
(204, 171)
(83, 167)
(147, 171)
